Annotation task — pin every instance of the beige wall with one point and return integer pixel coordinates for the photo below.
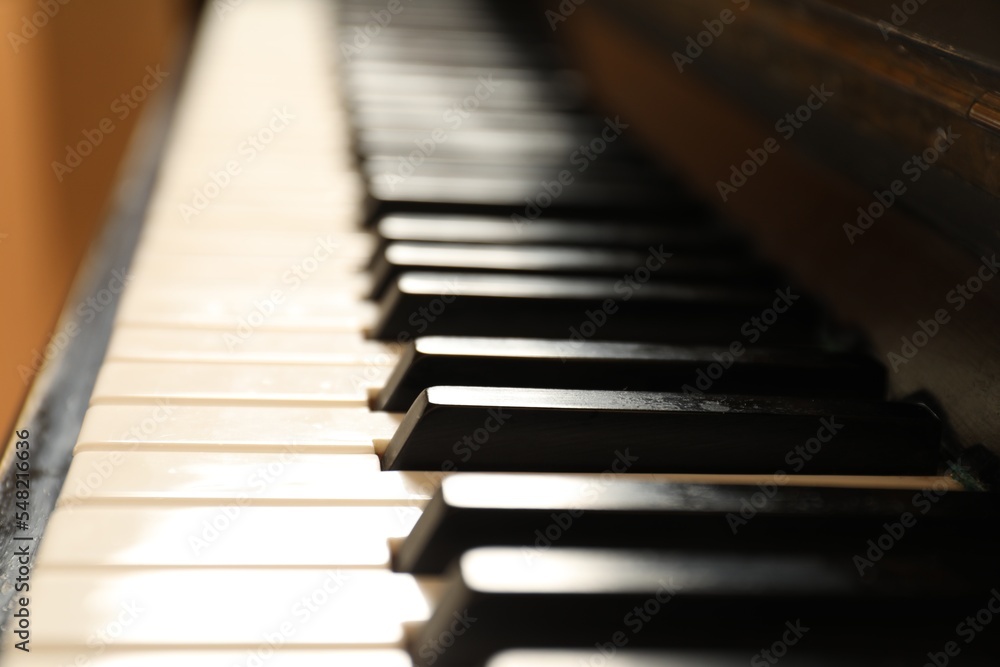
(56, 82)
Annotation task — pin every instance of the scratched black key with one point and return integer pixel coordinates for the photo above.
(579, 364)
(624, 309)
(657, 262)
(538, 511)
(500, 597)
(569, 430)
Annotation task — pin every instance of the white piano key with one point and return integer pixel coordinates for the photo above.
(196, 240)
(245, 608)
(344, 292)
(232, 217)
(242, 314)
(227, 535)
(132, 343)
(306, 175)
(165, 426)
(99, 656)
(227, 218)
(236, 384)
(204, 266)
(143, 471)
(209, 273)
(202, 478)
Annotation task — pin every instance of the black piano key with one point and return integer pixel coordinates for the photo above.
(436, 49)
(538, 511)
(502, 189)
(695, 233)
(578, 364)
(565, 430)
(609, 654)
(523, 89)
(631, 308)
(523, 145)
(400, 258)
(525, 181)
(497, 598)
(501, 145)
(427, 120)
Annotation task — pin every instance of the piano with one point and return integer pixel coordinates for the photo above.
(423, 358)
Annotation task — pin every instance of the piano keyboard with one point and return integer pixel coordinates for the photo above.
(237, 497)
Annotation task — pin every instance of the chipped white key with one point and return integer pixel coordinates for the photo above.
(242, 314)
(226, 608)
(228, 535)
(203, 478)
(98, 656)
(236, 428)
(236, 384)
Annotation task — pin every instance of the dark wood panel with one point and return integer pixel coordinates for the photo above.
(898, 273)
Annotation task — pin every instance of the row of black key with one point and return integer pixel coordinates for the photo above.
(517, 319)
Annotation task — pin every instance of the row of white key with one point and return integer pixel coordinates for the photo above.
(225, 503)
